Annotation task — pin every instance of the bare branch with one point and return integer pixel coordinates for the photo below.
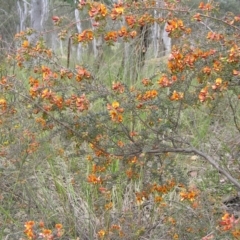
(205, 156)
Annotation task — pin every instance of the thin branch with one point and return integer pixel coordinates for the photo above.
(205, 156)
(234, 115)
(220, 20)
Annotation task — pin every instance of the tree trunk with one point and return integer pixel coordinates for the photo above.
(23, 13)
(79, 28)
(39, 10)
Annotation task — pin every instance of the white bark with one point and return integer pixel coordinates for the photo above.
(161, 40)
(94, 44)
(166, 42)
(36, 15)
(79, 28)
(45, 12)
(23, 13)
(155, 36)
(39, 13)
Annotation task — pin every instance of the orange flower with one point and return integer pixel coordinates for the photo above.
(25, 44)
(175, 236)
(92, 178)
(236, 73)
(228, 221)
(117, 11)
(108, 206)
(203, 94)
(130, 20)
(3, 103)
(115, 112)
(141, 197)
(103, 10)
(58, 226)
(158, 199)
(133, 34)
(122, 32)
(97, 9)
(174, 24)
(120, 144)
(189, 195)
(47, 232)
(111, 36)
(207, 70)
(164, 81)
(30, 234)
(29, 224)
(118, 87)
(206, 6)
(197, 17)
(236, 233)
(176, 96)
(85, 36)
(148, 95)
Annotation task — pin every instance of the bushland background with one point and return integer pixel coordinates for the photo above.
(114, 127)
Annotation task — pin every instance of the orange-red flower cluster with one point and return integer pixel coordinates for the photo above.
(130, 20)
(115, 112)
(97, 9)
(177, 62)
(228, 222)
(85, 36)
(32, 232)
(176, 96)
(80, 103)
(234, 54)
(189, 195)
(118, 87)
(29, 229)
(148, 95)
(220, 85)
(206, 7)
(165, 81)
(96, 168)
(123, 32)
(145, 19)
(203, 94)
(163, 189)
(111, 36)
(66, 73)
(82, 73)
(146, 82)
(141, 197)
(174, 24)
(215, 36)
(47, 74)
(117, 10)
(92, 178)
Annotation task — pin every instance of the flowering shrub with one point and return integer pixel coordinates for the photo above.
(113, 146)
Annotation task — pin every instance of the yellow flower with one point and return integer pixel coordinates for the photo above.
(29, 224)
(25, 44)
(218, 81)
(101, 233)
(115, 104)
